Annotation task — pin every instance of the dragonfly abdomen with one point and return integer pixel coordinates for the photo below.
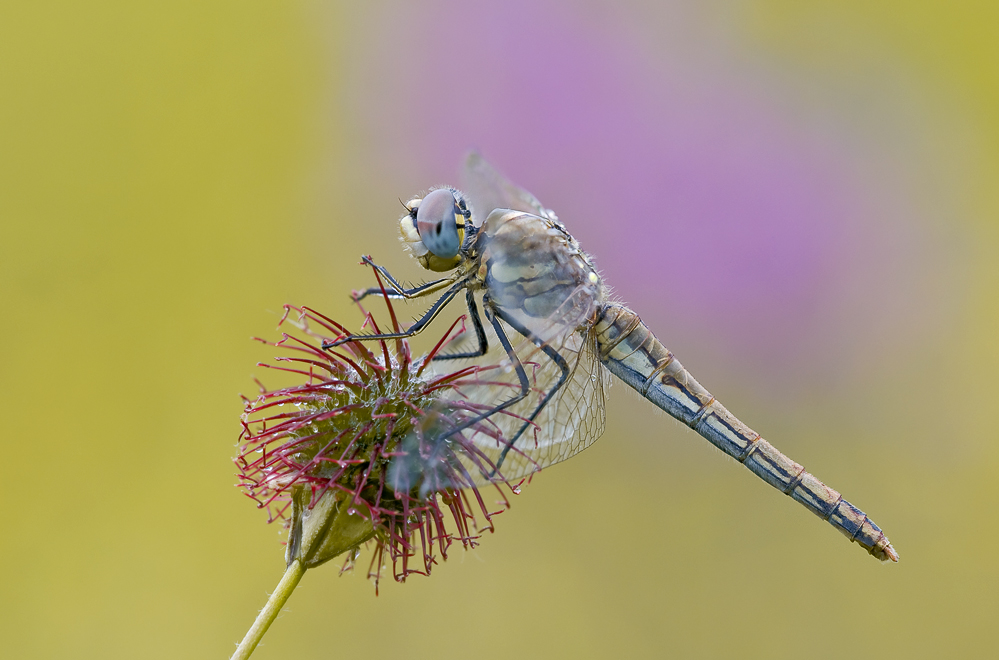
(632, 353)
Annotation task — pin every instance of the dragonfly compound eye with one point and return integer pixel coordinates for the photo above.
(441, 223)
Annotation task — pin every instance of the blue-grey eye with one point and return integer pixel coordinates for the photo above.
(441, 223)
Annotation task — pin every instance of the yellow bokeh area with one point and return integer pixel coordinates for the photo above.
(171, 175)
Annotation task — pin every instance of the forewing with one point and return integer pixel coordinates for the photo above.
(487, 189)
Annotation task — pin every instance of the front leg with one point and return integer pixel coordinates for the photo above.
(414, 329)
(397, 290)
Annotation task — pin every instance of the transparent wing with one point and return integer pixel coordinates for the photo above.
(487, 189)
(570, 421)
(545, 294)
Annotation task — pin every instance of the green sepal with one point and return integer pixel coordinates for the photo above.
(327, 530)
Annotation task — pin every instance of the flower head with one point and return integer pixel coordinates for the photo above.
(360, 451)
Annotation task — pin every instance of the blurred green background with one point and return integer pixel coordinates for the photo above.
(813, 194)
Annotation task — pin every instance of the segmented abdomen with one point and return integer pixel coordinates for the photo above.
(632, 353)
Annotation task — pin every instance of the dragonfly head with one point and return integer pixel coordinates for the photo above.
(434, 228)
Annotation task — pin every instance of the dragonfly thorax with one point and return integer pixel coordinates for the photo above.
(533, 268)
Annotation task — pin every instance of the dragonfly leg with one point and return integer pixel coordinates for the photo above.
(525, 384)
(556, 358)
(431, 314)
(397, 290)
(473, 311)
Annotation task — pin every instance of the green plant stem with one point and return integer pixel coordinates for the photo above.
(288, 582)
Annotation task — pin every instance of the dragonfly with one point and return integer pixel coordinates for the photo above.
(559, 336)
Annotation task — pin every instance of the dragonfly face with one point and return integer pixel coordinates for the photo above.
(434, 228)
(559, 339)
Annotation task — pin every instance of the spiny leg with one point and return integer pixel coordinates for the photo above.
(556, 358)
(473, 311)
(432, 313)
(525, 384)
(398, 290)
